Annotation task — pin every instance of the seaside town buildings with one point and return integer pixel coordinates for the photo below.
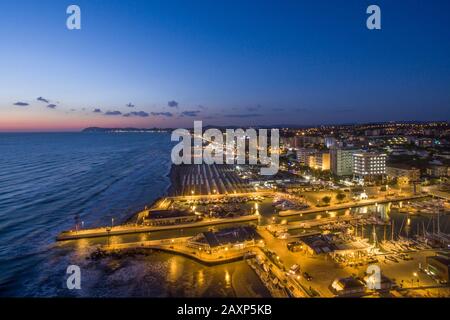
(406, 151)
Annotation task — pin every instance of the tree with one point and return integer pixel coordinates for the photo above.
(403, 182)
(340, 196)
(326, 200)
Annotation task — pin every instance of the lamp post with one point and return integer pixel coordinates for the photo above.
(415, 275)
(112, 223)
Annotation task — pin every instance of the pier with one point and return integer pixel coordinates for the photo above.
(284, 286)
(350, 205)
(319, 222)
(130, 229)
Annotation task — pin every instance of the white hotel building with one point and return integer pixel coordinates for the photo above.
(369, 164)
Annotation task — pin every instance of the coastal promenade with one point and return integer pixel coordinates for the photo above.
(129, 229)
(351, 204)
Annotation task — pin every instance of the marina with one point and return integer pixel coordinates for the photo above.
(293, 242)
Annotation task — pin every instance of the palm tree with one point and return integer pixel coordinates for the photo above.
(326, 200)
(340, 196)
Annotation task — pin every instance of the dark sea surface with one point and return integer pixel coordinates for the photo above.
(49, 181)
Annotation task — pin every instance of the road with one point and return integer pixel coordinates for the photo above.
(320, 268)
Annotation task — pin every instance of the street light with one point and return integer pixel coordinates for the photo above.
(112, 223)
(415, 275)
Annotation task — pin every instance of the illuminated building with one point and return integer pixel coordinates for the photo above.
(322, 160)
(341, 161)
(369, 164)
(394, 171)
(303, 155)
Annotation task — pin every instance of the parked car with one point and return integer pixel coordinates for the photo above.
(307, 276)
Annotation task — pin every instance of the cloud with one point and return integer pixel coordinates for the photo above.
(136, 114)
(172, 104)
(190, 113)
(245, 115)
(163, 114)
(43, 100)
(51, 106)
(130, 105)
(113, 113)
(21, 104)
(97, 111)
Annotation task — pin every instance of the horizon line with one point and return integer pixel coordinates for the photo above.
(287, 126)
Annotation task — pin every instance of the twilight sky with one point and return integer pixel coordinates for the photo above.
(168, 63)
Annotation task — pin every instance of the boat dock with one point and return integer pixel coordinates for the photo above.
(320, 222)
(350, 205)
